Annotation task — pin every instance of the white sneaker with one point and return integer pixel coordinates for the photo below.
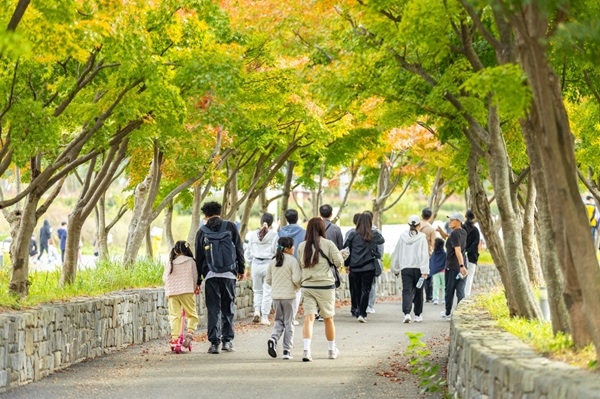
(265, 321)
(287, 355)
(370, 309)
(435, 301)
(407, 318)
(361, 319)
(334, 353)
(306, 357)
(418, 319)
(445, 316)
(296, 323)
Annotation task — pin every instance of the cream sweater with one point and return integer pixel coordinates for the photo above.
(183, 278)
(320, 275)
(285, 279)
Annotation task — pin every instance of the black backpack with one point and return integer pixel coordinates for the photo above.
(219, 249)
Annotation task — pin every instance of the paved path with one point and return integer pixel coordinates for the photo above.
(369, 366)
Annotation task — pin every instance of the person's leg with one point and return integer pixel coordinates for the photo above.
(329, 328)
(450, 287)
(212, 294)
(267, 300)
(366, 281)
(287, 316)
(408, 288)
(372, 296)
(418, 299)
(62, 256)
(460, 289)
(227, 304)
(436, 288)
(428, 289)
(310, 308)
(188, 301)
(257, 288)
(353, 293)
(279, 326)
(472, 267)
(174, 316)
(297, 302)
(443, 286)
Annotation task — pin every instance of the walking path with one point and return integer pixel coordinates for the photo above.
(370, 365)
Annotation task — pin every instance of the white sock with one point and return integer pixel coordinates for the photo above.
(331, 345)
(306, 344)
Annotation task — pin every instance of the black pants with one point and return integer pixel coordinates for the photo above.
(410, 293)
(452, 284)
(429, 288)
(43, 247)
(220, 299)
(362, 281)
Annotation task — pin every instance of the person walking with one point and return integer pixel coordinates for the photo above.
(45, 237)
(285, 277)
(593, 216)
(363, 245)
(62, 240)
(294, 230)
(261, 250)
(411, 260)
(437, 267)
(180, 277)
(472, 249)
(332, 231)
(455, 262)
(426, 228)
(220, 260)
(373, 293)
(318, 284)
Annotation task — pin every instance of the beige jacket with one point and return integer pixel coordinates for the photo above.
(320, 275)
(183, 278)
(427, 229)
(285, 279)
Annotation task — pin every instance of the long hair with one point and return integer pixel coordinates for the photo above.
(364, 227)
(180, 248)
(266, 221)
(315, 230)
(282, 243)
(413, 229)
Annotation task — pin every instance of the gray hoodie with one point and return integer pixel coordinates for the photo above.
(411, 253)
(296, 232)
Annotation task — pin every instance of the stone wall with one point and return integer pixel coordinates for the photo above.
(485, 362)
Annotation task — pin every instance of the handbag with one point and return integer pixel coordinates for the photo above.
(334, 270)
(378, 267)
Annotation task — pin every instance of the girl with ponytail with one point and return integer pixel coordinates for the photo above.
(284, 276)
(259, 253)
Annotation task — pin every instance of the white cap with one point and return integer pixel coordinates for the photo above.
(414, 220)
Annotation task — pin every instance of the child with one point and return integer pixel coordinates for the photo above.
(284, 276)
(437, 266)
(180, 277)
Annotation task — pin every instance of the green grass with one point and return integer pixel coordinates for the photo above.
(107, 277)
(537, 333)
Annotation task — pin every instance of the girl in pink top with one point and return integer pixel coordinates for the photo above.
(180, 277)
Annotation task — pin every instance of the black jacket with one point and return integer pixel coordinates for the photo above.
(472, 246)
(363, 253)
(215, 224)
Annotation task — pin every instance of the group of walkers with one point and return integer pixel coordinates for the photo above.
(296, 264)
(442, 268)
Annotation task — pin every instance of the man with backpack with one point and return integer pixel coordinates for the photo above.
(593, 216)
(220, 262)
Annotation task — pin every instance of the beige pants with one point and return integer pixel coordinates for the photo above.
(176, 304)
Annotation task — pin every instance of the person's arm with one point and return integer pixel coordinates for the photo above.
(200, 256)
(239, 249)
(461, 261)
(424, 263)
(396, 258)
(339, 240)
(442, 232)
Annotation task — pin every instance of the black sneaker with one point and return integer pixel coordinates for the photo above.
(272, 347)
(214, 349)
(228, 346)
(319, 317)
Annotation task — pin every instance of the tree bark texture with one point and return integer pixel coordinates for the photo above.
(554, 139)
(287, 190)
(168, 225)
(529, 245)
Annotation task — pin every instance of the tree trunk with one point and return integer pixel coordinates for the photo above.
(481, 208)
(437, 198)
(148, 241)
(287, 190)
(554, 139)
(199, 195)
(69, 267)
(144, 196)
(19, 248)
(529, 248)
(501, 178)
(168, 225)
(560, 315)
(246, 213)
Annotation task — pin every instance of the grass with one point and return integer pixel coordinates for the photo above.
(538, 334)
(106, 277)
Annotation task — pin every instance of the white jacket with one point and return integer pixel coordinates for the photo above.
(411, 253)
(261, 251)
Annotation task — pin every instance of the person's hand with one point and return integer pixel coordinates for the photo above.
(463, 270)
(240, 277)
(198, 290)
(424, 276)
(439, 229)
(396, 274)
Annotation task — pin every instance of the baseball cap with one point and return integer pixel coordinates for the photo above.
(457, 216)
(414, 220)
